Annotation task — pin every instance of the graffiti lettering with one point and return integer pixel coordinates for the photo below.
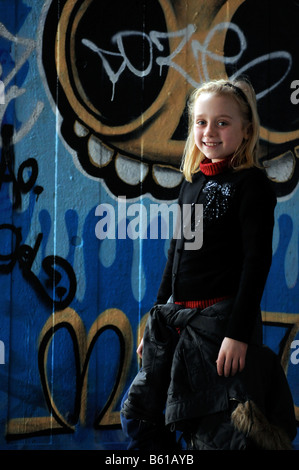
(57, 269)
(7, 173)
(295, 94)
(8, 260)
(69, 320)
(14, 91)
(154, 39)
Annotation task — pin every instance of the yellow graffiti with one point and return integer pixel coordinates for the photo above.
(185, 27)
(196, 36)
(83, 345)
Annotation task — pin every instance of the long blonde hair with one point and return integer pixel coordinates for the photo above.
(245, 155)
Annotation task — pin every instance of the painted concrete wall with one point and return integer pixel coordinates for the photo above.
(92, 103)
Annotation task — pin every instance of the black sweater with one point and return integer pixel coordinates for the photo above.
(236, 254)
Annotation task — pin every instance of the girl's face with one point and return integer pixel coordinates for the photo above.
(218, 125)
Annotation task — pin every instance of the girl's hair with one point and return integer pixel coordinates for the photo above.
(245, 155)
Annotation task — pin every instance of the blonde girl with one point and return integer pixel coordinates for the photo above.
(215, 291)
(246, 155)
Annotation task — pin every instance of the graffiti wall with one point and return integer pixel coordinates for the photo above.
(92, 114)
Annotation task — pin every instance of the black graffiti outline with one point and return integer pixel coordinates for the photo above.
(7, 171)
(83, 347)
(80, 374)
(25, 256)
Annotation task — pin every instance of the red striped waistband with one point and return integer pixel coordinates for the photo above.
(201, 303)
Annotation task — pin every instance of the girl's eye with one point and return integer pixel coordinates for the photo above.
(200, 122)
(222, 123)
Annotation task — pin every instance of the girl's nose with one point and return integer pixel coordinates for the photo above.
(210, 129)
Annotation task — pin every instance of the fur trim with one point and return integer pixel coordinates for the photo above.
(248, 419)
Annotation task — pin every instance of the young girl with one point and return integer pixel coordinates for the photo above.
(215, 290)
(238, 213)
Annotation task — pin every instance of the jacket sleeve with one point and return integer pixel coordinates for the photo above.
(256, 216)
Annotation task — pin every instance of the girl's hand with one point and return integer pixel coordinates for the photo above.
(231, 357)
(140, 348)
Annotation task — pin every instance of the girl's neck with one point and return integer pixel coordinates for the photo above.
(209, 168)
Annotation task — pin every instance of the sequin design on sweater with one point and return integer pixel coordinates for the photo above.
(217, 199)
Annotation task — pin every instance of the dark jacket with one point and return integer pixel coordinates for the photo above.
(179, 376)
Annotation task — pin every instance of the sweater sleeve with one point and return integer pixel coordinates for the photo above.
(165, 289)
(256, 216)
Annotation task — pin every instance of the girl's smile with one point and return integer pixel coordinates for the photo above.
(218, 126)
